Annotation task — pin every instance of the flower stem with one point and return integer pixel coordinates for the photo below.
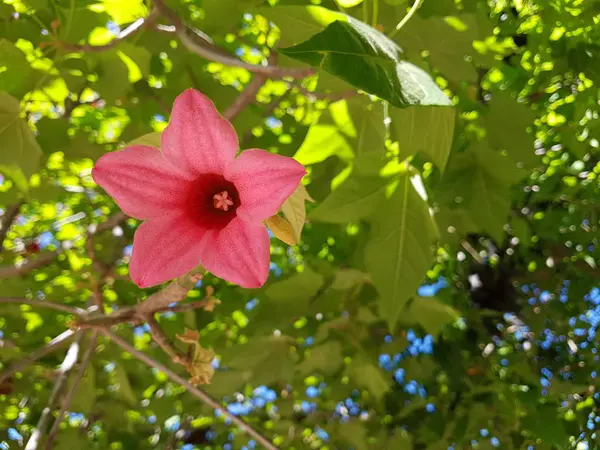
(406, 18)
(375, 13)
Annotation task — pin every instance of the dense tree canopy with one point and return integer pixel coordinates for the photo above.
(433, 281)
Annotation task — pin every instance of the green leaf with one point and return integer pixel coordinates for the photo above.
(113, 76)
(268, 359)
(546, 425)
(124, 389)
(294, 210)
(15, 70)
(137, 59)
(356, 198)
(506, 114)
(150, 139)
(401, 440)
(298, 23)
(485, 199)
(427, 129)
(431, 314)
(447, 40)
(325, 359)
(368, 376)
(321, 142)
(398, 253)
(353, 434)
(85, 397)
(367, 59)
(291, 297)
(227, 382)
(368, 121)
(20, 157)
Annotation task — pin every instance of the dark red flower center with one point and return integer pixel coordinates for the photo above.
(212, 201)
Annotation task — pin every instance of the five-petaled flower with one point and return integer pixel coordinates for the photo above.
(200, 203)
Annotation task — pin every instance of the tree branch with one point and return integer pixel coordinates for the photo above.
(174, 292)
(199, 44)
(87, 357)
(128, 32)
(49, 348)
(163, 341)
(67, 365)
(10, 213)
(44, 304)
(203, 396)
(246, 97)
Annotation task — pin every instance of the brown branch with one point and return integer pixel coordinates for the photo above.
(10, 213)
(87, 357)
(43, 304)
(128, 32)
(130, 314)
(203, 396)
(173, 293)
(64, 371)
(246, 97)
(49, 348)
(42, 260)
(199, 44)
(163, 341)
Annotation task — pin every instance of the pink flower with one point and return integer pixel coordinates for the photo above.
(200, 204)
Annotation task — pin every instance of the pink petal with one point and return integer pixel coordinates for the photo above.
(264, 181)
(165, 248)
(239, 253)
(142, 182)
(198, 139)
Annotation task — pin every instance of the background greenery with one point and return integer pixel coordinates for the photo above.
(443, 291)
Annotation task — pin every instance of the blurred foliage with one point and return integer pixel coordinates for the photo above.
(443, 293)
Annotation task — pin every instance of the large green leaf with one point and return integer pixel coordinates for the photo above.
(356, 198)
(506, 124)
(367, 59)
(413, 127)
(430, 313)
(447, 40)
(321, 142)
(20, 153)
(15, 71)
(469, 186)
(367, 375)
(299, 22)
(326, 359)
(268, 359)
(123, 386)
(84, 399)
(398, 253)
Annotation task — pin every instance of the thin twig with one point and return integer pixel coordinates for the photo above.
(469, 248)
(197, 43)
(406, 18)
(87, 357)
(49, 348)
(162, 340)
(130, 314)
(67, 365)
(44, 304)
(203, 396)
(41, 260)
(10, 213)
(246, 97)
(128, 32)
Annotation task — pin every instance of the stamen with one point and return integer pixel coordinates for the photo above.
(222, 201)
